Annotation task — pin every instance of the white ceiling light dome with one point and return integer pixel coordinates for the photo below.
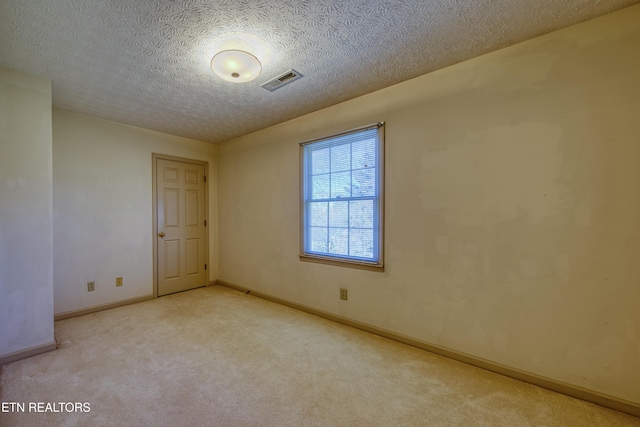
(236, 66)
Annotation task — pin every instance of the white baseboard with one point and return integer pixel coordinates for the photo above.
(96, 308)
(28, 352)
(578, 392)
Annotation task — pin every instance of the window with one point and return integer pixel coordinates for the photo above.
(342, 198)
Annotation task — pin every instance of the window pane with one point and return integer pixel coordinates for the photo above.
(339, 241)
(364, 182)
(318, 214)
(361, 243)
(361, 214)
(341, 158)
(364, 154)
(339, 214)
(320, 161)
(341, 184)
(318, 239)
(320, 187)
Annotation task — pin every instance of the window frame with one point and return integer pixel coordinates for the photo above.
(379, 208)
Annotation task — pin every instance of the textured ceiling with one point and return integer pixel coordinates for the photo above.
(146, 62)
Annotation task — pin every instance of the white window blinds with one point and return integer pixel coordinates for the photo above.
(342, 203)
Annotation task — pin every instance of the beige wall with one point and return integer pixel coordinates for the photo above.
(26, 217)
(103, 207)
(512, 210)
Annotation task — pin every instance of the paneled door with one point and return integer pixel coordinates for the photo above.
(181, 226)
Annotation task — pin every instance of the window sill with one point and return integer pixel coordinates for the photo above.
(342, 263)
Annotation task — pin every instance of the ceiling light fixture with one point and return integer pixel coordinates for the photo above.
(236, 66)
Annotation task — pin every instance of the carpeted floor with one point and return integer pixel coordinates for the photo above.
(218, 357)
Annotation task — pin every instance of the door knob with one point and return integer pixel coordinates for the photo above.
(161, 234)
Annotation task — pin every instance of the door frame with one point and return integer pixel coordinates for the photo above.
(154, 160)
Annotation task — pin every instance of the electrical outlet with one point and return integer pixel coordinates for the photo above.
(118, 281)
(91, 286)
(343, 294)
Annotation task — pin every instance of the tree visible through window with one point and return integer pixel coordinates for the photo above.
(342, 180)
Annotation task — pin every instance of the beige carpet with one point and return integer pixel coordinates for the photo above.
(218, 357)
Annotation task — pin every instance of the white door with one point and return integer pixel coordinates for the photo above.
(181, 238)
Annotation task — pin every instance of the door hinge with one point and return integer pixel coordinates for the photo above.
(205, 266)
(205, 222)
(205, 178)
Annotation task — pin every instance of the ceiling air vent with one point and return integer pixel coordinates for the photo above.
(283, 79)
